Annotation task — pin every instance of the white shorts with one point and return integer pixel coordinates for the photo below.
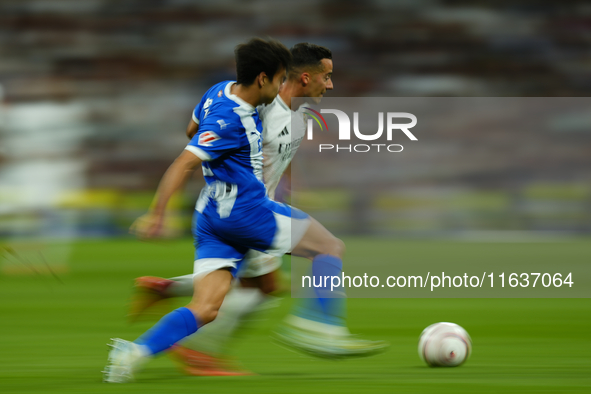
(258, 264)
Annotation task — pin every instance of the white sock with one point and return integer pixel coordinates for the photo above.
(182, 286)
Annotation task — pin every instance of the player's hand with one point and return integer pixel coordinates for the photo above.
(147, 226)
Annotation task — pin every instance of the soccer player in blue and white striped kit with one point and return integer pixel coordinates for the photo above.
(236, 214)
(309, 328)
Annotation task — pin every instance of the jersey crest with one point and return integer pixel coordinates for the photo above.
(222, 124)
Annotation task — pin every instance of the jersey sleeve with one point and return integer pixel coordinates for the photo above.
(215, 138)
(198, 110)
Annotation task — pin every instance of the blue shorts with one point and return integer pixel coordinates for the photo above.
(271, 228)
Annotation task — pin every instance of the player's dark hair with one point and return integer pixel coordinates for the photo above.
(306, 56)
(257, 56)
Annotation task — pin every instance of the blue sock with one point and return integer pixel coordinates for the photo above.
(319, 308)
(169, 330)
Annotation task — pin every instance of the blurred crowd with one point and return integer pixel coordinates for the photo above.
(96, 94)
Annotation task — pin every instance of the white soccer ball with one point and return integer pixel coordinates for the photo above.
(444, 345)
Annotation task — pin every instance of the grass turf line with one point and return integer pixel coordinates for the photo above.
(53, 335)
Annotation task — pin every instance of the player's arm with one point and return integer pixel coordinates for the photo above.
(192, 129)
(177, 175)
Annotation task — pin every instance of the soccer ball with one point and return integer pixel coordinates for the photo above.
(444, 345)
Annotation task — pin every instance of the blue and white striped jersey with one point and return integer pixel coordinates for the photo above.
(229, 143)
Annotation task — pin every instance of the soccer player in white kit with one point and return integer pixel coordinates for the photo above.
(308, 328)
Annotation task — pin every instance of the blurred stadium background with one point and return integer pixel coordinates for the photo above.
(95, 96)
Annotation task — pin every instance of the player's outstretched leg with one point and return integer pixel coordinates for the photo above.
(205, 353)
(317, 325)
(126, 357)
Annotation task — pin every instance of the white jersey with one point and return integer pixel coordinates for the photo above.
(281, 140)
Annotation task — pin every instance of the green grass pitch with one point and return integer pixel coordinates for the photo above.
(53, 336)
